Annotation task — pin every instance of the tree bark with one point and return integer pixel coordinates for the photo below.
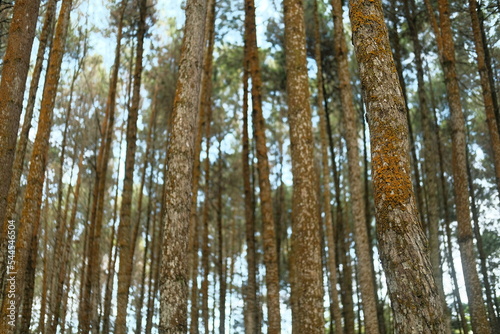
(20, 156)
(266, 205)
(327, 209)
(206, 91)
(28, 229)
(174, 277)
(350, 119)
(16, 63)
(307, 285)
(415, 300)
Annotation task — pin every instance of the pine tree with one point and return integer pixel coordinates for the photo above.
(174, 277)
(307, 281)
(415, 300)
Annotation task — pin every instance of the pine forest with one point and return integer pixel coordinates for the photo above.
(250, 166)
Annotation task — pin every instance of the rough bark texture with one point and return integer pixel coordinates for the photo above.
(266, 205)
(350, 118)
(174, 271)
(327, 209)
(14, 72)
(251, 304)
(307, 287)
(446, 50)
(430, 156)
(28, 228)
(125, 242)
(17, 167)
(205, 101)
(415, 300)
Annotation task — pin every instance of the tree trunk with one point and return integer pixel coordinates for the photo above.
(482, 256)
(487, 90)
(266, 205)
(206, 91)
(89, 297)
(342, 241)
(327, 209)
(395, 41)
(415, 300)
(17, 167)
(446, 49)
(221, 265)
(307, 285)
(178, 178)
(430, 158)
(28, 230)
(16, 63)
(350, 118)
(444, 191)
(112, 253)
(251, 303)
(125, 245)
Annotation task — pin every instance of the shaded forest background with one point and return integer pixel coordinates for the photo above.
(87, 192)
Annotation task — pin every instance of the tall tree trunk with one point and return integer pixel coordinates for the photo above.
(57, 276)
(482, 256)
(174, 271)
(205, 251)
(17, 168)
(206, 91)
(28, 230)
(350, 118)
(126, 246)
(15, 68)
(447, 217)
(327, 209)
(152, 278)
(446, 49)
(29, 286)
(487, 59)
(430, 157)
(266, 205)
(112, 253)
(140, 301)
(342, 241)
(89, 297)
(221, 266)
(487, 89)
(251, 303)
(43, 303)
(415, 299)
(395, 41)
(307, 286)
